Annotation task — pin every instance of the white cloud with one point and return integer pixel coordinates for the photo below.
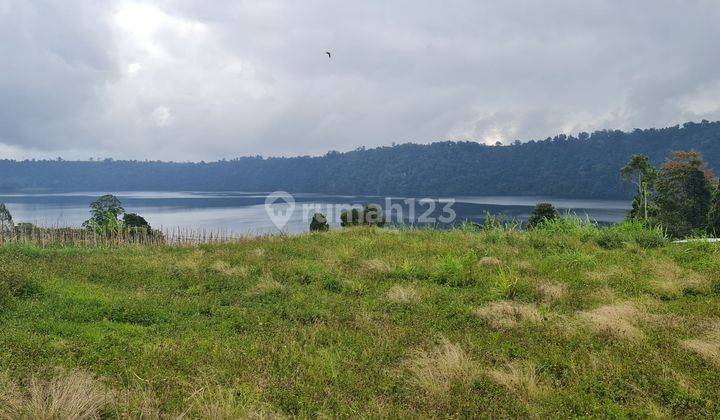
(161, 116)
(133, 68)
(185, 79)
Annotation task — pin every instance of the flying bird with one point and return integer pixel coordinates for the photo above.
(328, 53)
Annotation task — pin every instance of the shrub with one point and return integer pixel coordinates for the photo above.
(370, 215)
(610, 239)
(493, 221)
(350, 218)
(541, 213)
(373, 215)
(319, 223)
(650, 238)
(132, 220)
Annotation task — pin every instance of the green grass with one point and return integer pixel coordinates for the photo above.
(565, 320)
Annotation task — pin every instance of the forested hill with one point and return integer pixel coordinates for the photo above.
(582, 166)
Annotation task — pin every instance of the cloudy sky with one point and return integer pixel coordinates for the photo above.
(198, 79)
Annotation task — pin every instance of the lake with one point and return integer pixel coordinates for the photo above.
(245, 213)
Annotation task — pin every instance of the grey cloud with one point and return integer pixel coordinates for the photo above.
(185, 79)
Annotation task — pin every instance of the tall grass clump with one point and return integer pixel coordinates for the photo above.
(452, 270)
(610, 239)
(14, 285)
(617, 236)
(569, 224)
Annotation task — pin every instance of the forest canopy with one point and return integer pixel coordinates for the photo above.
(586, 165)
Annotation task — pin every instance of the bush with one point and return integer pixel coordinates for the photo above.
(319, 223)
(493, 221)
(610, 239)
(570, 224)
(373, 215)
(542, 212)
(650, 238)
(370, 215)
(132, 220)
(14, 285)
(350, 218)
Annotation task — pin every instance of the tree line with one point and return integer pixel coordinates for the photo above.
(586, 165)
(682, 195)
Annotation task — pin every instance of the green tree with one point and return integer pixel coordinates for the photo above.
(714, 216)
(542, 213)
(639, 171)
(6, 220)
(319, 223)
(106, 205)
(350, 218)
(373, 215)
(370, 215)
(135, 221)
(684, 186)
(105, 212)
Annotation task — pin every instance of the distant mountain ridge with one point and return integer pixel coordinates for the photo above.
(564, 166)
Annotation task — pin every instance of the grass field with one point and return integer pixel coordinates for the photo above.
(561, 321)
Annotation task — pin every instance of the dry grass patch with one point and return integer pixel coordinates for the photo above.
(519, 378)
(710, 350)
(507, 314)
(608, 273)
(669, 279)
(137, 404)
(603, 295)
(376, 265)
(442, 368)
(615, 320)
(265, 286)
(257, 253)
(490, 262)
(524, 265)
(217, 402)
(403, 294)
(707, 346)
(224, 268)
(551, 292)
(188, 264)
(71, 395)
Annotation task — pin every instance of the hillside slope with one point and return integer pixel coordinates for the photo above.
(583, 166)
(366, 322)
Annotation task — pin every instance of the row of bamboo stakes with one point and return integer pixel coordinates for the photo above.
(72, 237)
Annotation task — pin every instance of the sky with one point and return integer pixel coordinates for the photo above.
(195, 80)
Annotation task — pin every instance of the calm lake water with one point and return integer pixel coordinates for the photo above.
(245, 213)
